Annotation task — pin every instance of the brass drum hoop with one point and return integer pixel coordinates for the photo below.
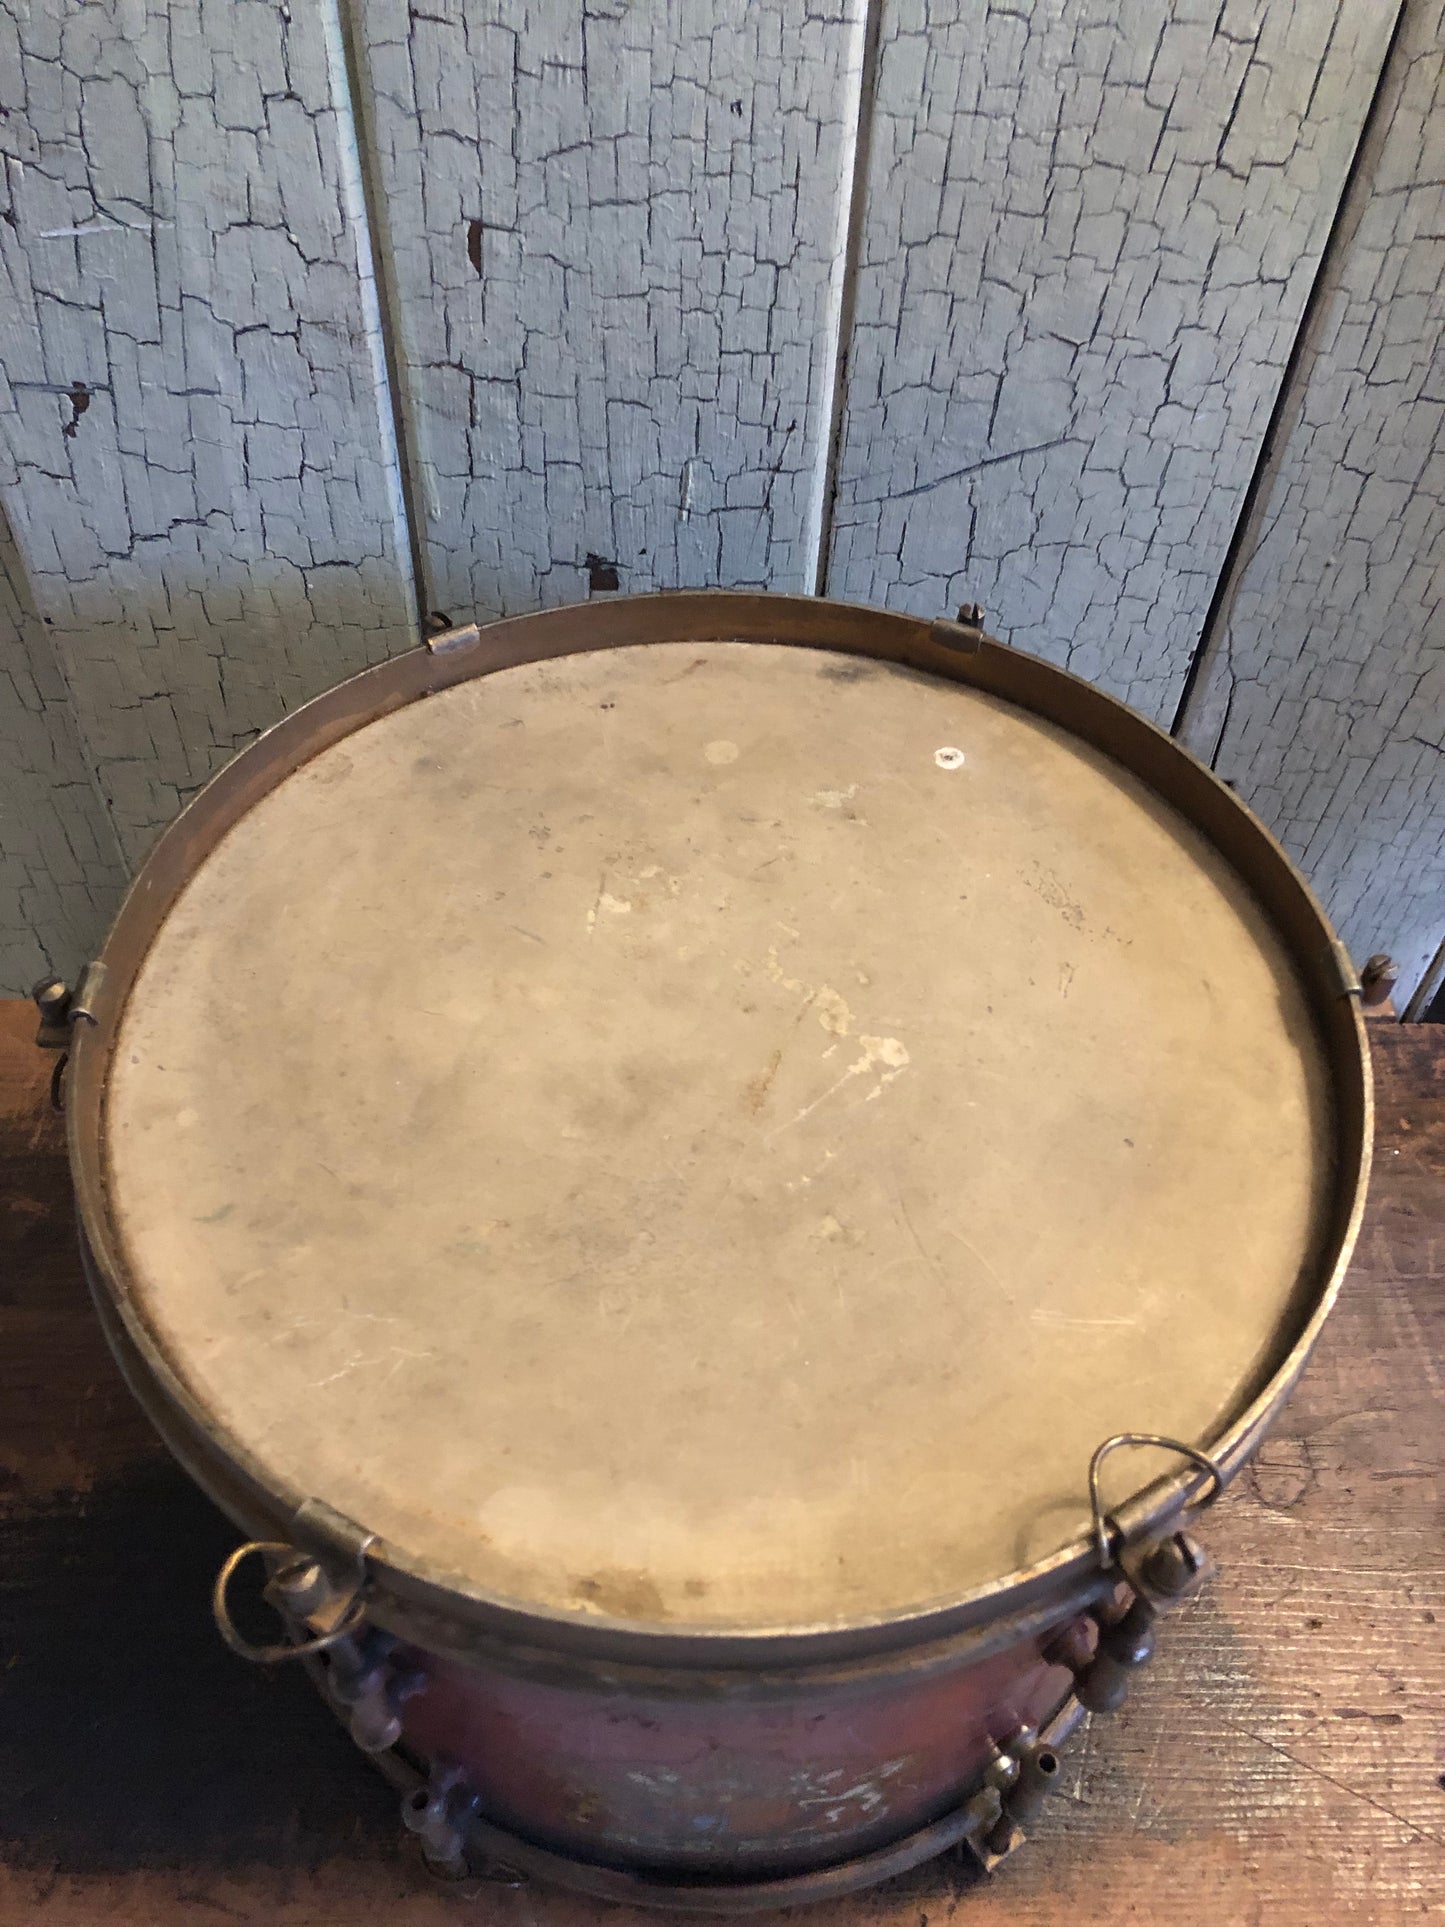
(441, 1609)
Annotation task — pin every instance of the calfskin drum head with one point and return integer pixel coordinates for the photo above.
(713, 1135)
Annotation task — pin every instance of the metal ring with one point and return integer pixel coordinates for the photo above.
(270, 1655)
(1101, 1521)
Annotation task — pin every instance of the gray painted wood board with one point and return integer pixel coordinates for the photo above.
(60, 867)
(616, 240)
(1321, 695)
(194, 455)
(1090, 232)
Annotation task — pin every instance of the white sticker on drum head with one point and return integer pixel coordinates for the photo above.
(948, 758)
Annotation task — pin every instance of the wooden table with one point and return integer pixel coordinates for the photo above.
(1281, 1761)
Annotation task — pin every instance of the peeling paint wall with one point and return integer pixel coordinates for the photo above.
(616, 244)
(1322, 694)
(918, 303)
(1090, 231)
(61, 874)
(193, 457)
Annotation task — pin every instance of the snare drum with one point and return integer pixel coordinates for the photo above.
(713, 1181)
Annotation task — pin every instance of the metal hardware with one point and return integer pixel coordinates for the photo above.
(1350, 985)
(1161, 1571)
(327, 1572)
(365, 1682)
(964, 632)
(86, 994)
(1027, 1772)
(51, 997)
(60, 1007)
(1378, 978)
(299, 1589)
(436, 1813)
(1104, 1527)
(1072, 1647)
(1035, 1777)
(1103, 1685)
(335, 1538)
(1173, 1568)
(447, 642)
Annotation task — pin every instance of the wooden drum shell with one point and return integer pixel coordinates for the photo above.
(674, 1755)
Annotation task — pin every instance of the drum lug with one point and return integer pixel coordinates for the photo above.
(963, 632)
(1162, 1573)
(1020, 1780)
(370, 1688)
(446, 642)
(61, 1008)
(437, 1813)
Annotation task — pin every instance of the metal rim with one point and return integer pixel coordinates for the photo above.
(408, 1591)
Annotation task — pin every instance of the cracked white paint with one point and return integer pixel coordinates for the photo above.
(614, 233)
(1322, 695)
(60, 870)
(1090, 231)
(192, 456)
(615, 239)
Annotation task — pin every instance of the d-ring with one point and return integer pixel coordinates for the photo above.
(270, 1655)
(1101, 1521)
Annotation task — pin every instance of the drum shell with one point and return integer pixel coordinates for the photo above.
(561, 1751)
(727, 1774)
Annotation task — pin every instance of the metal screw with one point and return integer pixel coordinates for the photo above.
(1173, 1567)
(970, 616)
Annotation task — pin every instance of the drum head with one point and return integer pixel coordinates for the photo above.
(714, 1135)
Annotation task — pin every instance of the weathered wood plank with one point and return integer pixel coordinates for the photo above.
(60, 867)
(1321, 695)
(192, 452)
(1278, 1762)
(1090, 233)
(615, 234)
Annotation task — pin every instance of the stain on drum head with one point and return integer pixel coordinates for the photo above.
(641, 1133)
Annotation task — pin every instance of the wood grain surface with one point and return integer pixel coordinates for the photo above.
(1282, 1761)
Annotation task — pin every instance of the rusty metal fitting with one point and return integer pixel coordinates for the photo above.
(1378, 978)
(376, 1718)
(963, 631)
(1072, 1646)
(51, 997)
(1038, 1777)
(1177, 1567)
(345, 1614)
(435, 1813)
(304, 1588)
(364, 1679)
(1035, 1775)
(1001, 1773)
(1103, 1686)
